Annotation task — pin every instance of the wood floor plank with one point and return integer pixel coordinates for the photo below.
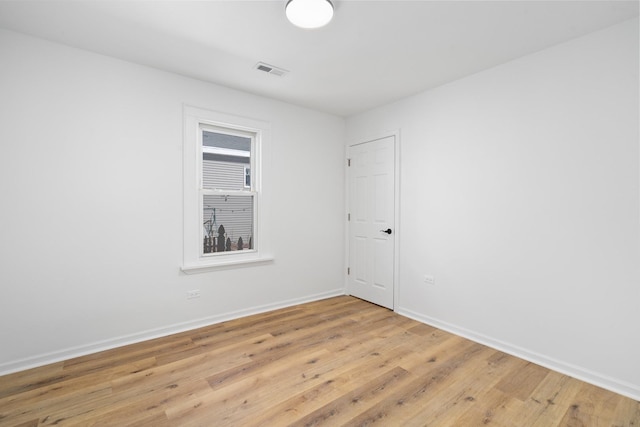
(491, 408)
(197, 366)
(591, 406)
(465, 388)
(521, 382)
(19, 412)
(422, 329)
(425, 359)
(154, 420)
(31, 379)
(374, 359)
(244, 393)
(478, 400)
(626, 414)
(82, 391)
(403, 404)
(549, 401)
(83, 365)
(143, 407)
(365, 357)
(274, 324)
(339, 361)
(340, 410)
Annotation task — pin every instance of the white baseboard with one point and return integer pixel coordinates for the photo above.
(613, 384)
(69, 353)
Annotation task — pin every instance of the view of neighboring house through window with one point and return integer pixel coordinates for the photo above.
(228, 199)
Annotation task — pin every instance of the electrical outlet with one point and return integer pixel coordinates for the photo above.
(194, 293)
(429, 279)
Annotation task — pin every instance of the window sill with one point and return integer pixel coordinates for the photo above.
(208, 265)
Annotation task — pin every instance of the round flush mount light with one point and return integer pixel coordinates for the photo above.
(309, 13)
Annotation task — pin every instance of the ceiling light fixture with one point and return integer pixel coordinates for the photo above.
(309, 13)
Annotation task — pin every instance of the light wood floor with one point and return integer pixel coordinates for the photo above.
(340, 361)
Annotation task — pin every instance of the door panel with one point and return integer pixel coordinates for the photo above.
(372, 208)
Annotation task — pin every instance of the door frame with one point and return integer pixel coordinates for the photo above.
(396, 208)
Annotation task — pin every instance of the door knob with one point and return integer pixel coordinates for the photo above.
(388, 231)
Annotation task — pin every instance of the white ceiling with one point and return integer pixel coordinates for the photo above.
(372, 53)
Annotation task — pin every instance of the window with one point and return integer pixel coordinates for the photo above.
(227, 201)
(222, 203)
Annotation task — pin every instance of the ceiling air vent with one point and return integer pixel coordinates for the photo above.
(261, 66)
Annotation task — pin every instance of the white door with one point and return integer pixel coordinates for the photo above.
(372, 221)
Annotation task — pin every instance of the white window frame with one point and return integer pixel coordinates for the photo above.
(195, 120)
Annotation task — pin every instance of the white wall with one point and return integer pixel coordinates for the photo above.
(520, 194)
(89, 146)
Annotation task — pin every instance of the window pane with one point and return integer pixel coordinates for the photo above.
(227, 223)
(224, 159)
